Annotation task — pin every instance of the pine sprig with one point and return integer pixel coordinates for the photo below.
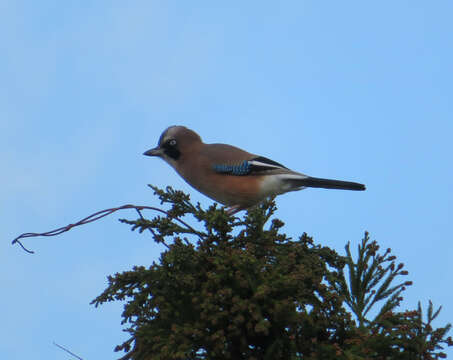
(371, 280)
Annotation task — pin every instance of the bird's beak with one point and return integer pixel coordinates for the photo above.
(157, 151)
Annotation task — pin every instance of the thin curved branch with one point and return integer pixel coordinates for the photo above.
(96, 216)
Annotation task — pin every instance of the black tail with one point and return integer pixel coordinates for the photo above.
(329, 184)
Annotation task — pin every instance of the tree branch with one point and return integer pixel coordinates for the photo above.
(96, 216)
(69, 352)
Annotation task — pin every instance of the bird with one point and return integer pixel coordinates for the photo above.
(232, 176)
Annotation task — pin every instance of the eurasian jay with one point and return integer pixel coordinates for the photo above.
(232, 176)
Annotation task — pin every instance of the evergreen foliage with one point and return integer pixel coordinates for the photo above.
(241, 289)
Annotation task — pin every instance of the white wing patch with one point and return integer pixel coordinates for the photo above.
(276, 184)
(290, 176)
(264, 165)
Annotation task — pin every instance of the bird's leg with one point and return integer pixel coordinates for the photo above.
(233, 209)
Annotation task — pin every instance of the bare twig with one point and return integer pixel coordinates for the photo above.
(69, 352)
(96, 216)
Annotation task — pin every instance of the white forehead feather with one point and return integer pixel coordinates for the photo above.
(168, 133)
(171, 131)
(175, 132)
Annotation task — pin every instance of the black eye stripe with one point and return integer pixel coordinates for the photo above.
(171, 149)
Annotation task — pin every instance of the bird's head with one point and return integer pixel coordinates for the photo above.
(173, 143)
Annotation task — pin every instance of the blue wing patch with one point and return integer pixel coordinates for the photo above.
(255, 166)
(238, 169)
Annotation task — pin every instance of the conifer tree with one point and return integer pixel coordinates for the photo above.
(241, 289)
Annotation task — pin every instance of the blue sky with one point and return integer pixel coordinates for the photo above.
(350, 90)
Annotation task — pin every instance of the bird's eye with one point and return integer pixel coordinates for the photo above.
(172, 142)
